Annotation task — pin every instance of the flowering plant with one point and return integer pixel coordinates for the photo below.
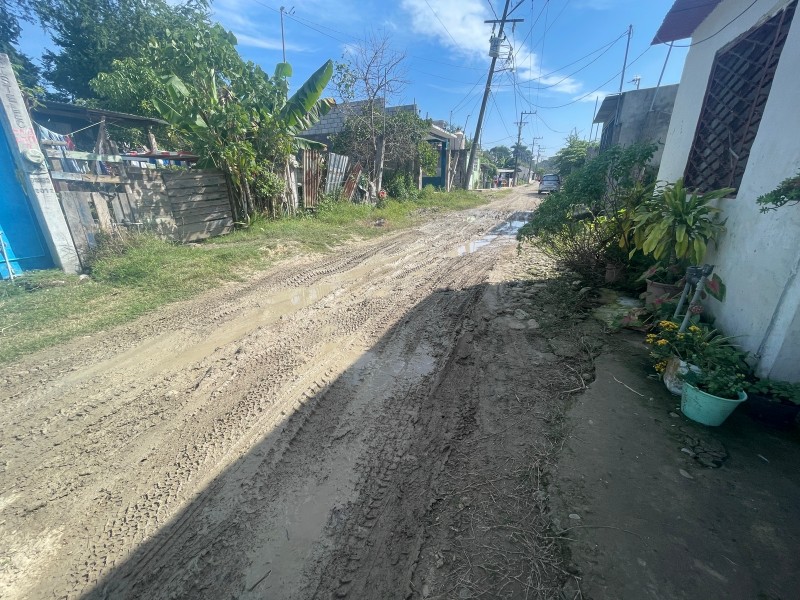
(698, 345)
(668, 342)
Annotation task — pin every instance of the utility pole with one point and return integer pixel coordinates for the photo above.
(488, 89)
(283, 41)
(520, 124)
(533, 146)
(622, 77)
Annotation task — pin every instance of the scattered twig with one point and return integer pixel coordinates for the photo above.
(630, 388)
(252, 587)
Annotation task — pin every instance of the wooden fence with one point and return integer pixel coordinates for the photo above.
(108, 192)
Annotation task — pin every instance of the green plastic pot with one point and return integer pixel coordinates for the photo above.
(706, 408)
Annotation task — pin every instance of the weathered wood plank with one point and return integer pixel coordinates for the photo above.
(202, 218)
(77, 230)
(88, 156)
(198, 201)
(190, 185)
(103, 214)
(199, 195)
(200, 232)
(122, 209)
(87, 177)
(190, 212)
(127, 207)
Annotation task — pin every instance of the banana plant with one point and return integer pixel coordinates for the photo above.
(306, 106)
(242, 121)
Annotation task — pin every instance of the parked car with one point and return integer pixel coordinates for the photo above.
(550, 183)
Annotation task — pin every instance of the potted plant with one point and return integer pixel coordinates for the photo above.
(711, 394)
(676, 353)
(776, 403)
(670, 351)
(675, 227)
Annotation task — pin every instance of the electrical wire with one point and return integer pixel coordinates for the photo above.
(597, 88)
(316, 27)
(499, 113)
(575, 72)
(716, 33)
(435, 14)
(467, 95)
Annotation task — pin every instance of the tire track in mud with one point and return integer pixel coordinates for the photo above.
(161, 438)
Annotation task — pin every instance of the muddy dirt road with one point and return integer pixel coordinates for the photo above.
(372, 423)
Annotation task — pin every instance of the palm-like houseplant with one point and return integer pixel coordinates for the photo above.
(675, 228)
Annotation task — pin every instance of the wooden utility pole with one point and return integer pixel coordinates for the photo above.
(520, 124)
(476, 140)
(533, 145)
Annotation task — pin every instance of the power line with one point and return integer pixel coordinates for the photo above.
(468, 94)
(315, 27)
(538, 116)
(716, 33)
(605, 49)
(435, 14)
(613, 77)
(499, 114)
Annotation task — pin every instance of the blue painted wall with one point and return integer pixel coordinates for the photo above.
(18, 225)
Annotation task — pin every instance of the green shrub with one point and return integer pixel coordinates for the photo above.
(590, 221)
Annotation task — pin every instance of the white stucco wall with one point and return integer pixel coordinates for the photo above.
(758, 255)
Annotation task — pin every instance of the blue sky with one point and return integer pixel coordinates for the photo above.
(567, 53)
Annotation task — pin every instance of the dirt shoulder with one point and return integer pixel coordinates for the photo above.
(655, 506)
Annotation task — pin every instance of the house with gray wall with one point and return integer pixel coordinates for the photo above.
(637, 116)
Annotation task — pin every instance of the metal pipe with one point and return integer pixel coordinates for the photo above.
(660, 77)
(5, 258)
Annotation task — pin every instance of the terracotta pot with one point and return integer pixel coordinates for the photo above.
(675, 373)
(656, 290)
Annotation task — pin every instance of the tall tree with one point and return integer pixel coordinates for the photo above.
(501, 156)
(373, 73)
(573, 155)
(522, 154)
(92, 34)
(11, 13)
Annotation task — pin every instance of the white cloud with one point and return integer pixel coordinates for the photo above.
(593, 96)
(461, 19)
(462, 29)
(265, 43)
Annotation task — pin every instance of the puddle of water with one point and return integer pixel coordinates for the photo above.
(506, 229)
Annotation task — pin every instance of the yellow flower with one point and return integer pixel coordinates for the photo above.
(660, 366)
(662, 343)
(668, 325)
(650, 338)
(694, 329)
(681, 336)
